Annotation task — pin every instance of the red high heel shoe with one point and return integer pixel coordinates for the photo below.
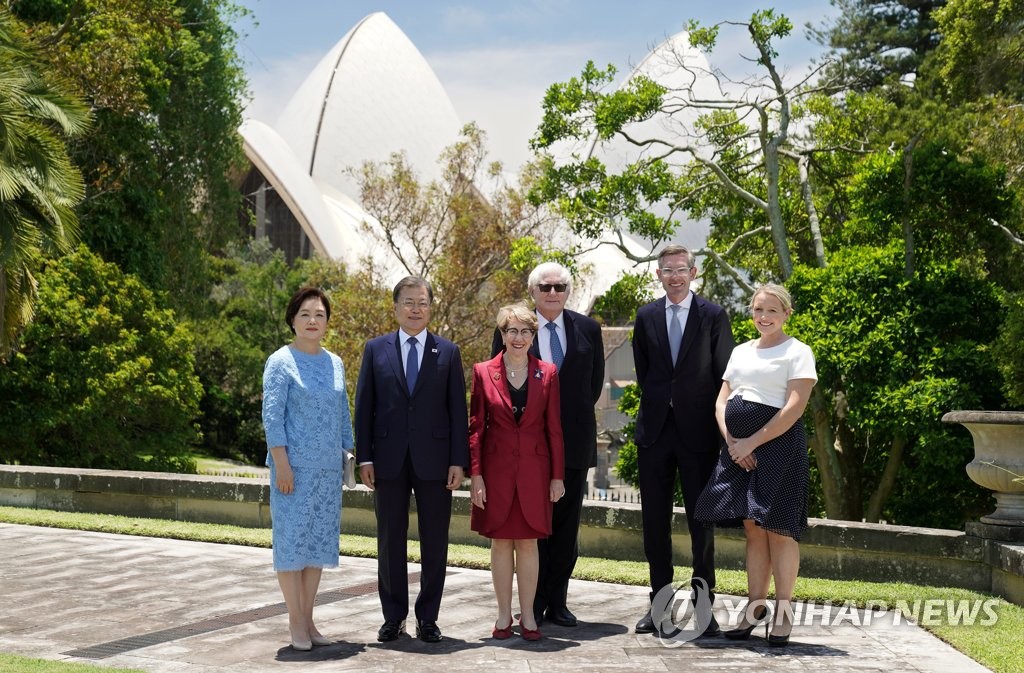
(502, 634)
(529, 634)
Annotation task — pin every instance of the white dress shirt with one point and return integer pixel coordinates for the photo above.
(544, 338)
(684, 312)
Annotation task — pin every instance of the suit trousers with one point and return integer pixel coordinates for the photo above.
(433, 514)
(559, 552)
(658, 464)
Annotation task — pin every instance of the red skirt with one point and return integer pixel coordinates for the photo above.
(515, 526)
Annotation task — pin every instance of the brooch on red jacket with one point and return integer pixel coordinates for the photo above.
(538, 374)
(496, 376)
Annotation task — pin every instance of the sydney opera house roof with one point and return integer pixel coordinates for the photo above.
(373, 94)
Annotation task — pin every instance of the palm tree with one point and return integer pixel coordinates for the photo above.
(39, 186)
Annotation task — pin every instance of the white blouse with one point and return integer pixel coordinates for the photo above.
(762, 374)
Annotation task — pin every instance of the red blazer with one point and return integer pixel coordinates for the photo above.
(515, 458)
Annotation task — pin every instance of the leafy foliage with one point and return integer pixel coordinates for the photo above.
(893, 354)
(166, 85)
(252, 289)
(982, 47)
(1009, 350)
(104, 377)
(39, 185)
(880, 42)
(618, 305)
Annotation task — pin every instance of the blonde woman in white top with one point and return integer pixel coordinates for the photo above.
(761, 479)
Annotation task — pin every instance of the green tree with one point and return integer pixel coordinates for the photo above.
(39, 185)
(1009, 350)
(682, 162)
(618, 305)
(893, 354)
(166, 85)
(784, 199)
(879, 42)
(253, 286)
(982, 49)
(104, 376)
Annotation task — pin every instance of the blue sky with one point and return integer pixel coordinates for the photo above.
(496, 58)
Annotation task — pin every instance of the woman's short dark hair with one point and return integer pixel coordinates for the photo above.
(295, 303)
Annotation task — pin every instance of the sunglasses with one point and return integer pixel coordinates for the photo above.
(548, 287)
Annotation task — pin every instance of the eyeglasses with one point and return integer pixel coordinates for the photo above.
(526, 332)
(548, 287)
(421, 305)
(681, 271)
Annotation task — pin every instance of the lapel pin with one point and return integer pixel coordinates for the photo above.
(433, 350)
(496, 376)
(537, 374)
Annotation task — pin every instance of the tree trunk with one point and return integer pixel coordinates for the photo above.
(771, 167)
(888, 481)
(824, 446)
(909, 262)
(812, 212)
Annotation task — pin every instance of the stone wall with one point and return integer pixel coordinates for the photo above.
(833, 549)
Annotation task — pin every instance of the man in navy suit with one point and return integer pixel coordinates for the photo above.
(573, 343)
(411, 436)
(681, 345)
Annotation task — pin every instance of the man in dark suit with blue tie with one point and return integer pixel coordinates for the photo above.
(572, 341)
(411, 436)
(681, 345)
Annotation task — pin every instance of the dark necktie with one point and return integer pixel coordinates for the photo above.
(412, 365)
(557, 356)
(675, 333)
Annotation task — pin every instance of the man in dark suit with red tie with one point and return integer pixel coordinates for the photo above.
(572, 341)
(411, 436)
(681, 345)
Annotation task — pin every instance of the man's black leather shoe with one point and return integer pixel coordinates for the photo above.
(428, 632)
(712, 629)
(560, 616)
(646, 624)
(390, 631)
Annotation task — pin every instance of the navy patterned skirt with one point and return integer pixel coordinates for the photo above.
(774, 494)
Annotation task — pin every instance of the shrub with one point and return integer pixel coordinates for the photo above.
(103, 377)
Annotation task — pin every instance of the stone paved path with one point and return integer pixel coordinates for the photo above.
(167, 606)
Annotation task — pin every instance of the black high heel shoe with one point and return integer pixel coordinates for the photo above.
(743, 633)
(778, 641)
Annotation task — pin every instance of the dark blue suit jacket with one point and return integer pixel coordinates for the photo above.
(430, 426)
(692, 384)
(580, 380)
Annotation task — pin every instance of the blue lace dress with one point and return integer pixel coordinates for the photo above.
(305, 409)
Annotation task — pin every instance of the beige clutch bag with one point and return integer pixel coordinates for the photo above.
(349, 471)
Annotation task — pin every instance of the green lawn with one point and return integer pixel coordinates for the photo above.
(999, 646)
(12, 663)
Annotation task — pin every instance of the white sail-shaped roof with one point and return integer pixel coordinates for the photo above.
(373, 94)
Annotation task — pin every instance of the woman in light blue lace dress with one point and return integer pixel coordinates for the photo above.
(308, 426)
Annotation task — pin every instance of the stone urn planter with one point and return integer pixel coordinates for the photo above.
(998, 463)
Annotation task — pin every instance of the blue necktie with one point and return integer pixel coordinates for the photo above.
(675, 333)
(557, 356)
(412, 365)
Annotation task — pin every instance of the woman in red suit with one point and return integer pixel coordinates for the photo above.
(517, 463)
